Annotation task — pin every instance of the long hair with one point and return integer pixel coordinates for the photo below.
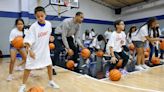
(130, 31)
(149, 23)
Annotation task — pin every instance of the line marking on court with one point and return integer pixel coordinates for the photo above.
(136, 88)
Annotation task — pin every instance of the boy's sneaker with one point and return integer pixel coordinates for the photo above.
(139, 68)
(22, 88)
(145, 66)
(53, 84)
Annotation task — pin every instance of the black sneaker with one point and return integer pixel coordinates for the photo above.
(149, 64)
(54, 72)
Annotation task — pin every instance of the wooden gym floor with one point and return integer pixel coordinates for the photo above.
(151, 80)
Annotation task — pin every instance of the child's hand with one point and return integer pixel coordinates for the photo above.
(113, 60)
(32, 54)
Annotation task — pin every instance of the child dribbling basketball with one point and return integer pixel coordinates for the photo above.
(37, 45)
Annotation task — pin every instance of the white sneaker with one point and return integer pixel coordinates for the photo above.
(53, 84)
(139, 68)
(22, 88)
(145, 66)
(10, 77)
(19, 68)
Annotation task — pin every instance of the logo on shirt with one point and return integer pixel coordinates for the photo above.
(41, 34)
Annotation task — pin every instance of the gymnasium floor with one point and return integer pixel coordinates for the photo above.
(146, 81)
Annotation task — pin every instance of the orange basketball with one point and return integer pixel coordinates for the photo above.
(85, 53)
(70, 64)
(36, 89)
(146, 54)
(155, 60)
(115, 75)
(131, 46)
(52, 46)
(70, 52)
(100, 53)
(119, 64)
(162, 45)
(18, 42)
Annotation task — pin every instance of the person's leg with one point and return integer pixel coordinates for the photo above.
(49, 71)
(24, 56)
(26, 75)
(156, 52)
(22, 88)
(51, 82)
(13, 53)
(58, 48)
(143, 65)
(139, 50)
(125, 58)
(75, 50)
(151, 52)
(161, 56)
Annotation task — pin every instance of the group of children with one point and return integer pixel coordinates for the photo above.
(36, 52)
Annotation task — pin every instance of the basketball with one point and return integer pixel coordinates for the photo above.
(115, 75)
(155, 60)
(162, 45)
(18, 42)
(52, 46)
(131, 47)
(70, 52)
(36, 89)
(119, 64)
(146, 54)
(100, 53)
(70, 64)
(85, 53)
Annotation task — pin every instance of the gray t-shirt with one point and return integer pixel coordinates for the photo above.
(68, 28)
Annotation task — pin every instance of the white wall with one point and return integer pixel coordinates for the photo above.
(155, 10)
(90, 9)
(10, 5)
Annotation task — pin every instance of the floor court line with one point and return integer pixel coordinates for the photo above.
(131, 87)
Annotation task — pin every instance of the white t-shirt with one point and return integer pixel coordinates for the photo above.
(38, 38)
(116, 41)
(87, 39)
(93, 34)
(107, 35)
(156, 43)
(95, 43)
(15, 33)
(140, 36)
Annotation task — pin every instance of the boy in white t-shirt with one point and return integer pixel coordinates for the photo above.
(37, 45)
(116, 45)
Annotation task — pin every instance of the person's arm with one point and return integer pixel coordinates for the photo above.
(111, 45)
(11, 36)
(152, 39)
(64, 28)
(29, 39)
(77, 38)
